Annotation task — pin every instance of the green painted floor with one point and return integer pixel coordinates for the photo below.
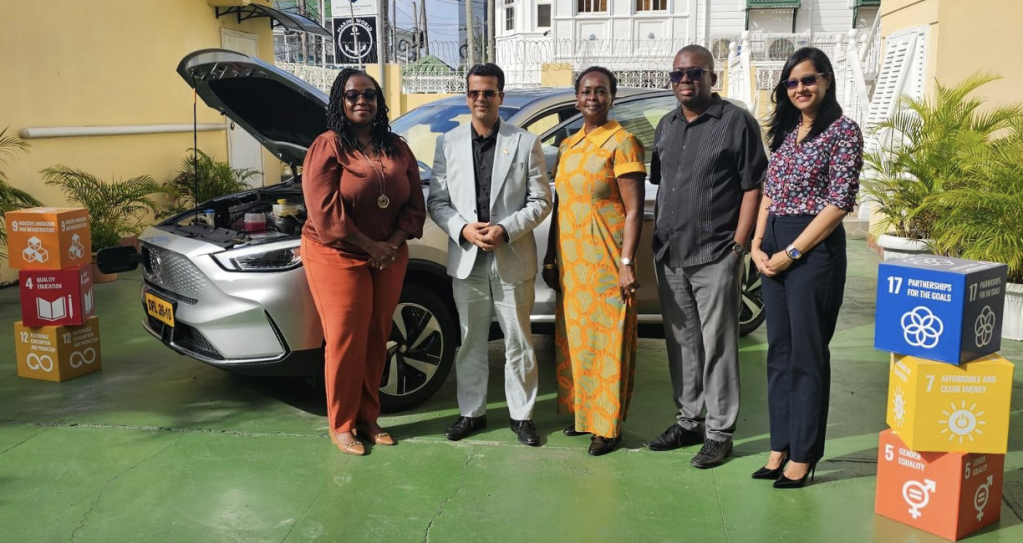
(158, 447)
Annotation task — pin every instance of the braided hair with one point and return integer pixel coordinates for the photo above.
(380, 135)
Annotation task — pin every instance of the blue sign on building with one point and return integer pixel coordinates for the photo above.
(939, 308)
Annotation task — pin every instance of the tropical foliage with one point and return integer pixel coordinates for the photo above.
(201, 179)
(923, 153)
(983, 219)
(117, 209)
(11, 198)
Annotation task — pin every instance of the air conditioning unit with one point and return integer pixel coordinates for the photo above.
(781, 49)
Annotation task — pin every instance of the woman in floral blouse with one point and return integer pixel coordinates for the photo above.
(799, 247)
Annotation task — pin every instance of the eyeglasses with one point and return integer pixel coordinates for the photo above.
(694, 74)
(808, 80)
(352, 96)
(488, 94)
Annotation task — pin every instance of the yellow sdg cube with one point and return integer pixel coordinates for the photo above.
(938, 407)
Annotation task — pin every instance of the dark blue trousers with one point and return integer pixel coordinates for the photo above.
(801, 307)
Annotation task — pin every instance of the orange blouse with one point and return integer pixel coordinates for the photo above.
(341, 191)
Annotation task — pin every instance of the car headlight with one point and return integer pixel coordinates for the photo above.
(271, 257)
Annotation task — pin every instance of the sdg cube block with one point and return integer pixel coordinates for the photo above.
(947, 494)
(57, 353)
(938, 407)
(48, 238)
(54, 298)
(944, 309)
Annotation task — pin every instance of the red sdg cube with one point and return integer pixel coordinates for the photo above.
(947, 494)
(57, 297)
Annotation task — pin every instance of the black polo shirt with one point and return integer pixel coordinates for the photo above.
(703, 168)
(483, 166)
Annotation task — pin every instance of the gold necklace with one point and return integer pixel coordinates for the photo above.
(383, 201)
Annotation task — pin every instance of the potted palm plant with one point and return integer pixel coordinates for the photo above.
(919, 156)
(983, 219)
(11, 198)
(117, 209)
(200, 178)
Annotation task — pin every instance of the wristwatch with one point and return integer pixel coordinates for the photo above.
(738, 249)
(793, 252)
(626, 261)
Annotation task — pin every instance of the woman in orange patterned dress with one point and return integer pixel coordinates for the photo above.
(598, 217)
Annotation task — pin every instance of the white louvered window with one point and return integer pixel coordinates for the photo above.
(902, 72)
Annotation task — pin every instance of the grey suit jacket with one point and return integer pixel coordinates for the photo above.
(520, 199)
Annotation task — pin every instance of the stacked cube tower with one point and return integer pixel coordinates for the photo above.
(940, 463)
(57, 337)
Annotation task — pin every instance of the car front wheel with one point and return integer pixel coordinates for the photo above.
(421, 349)
(751, 312)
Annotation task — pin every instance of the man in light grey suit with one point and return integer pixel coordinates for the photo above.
(489, 190)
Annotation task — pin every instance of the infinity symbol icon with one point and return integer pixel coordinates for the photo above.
(88, 356)
(36, 362)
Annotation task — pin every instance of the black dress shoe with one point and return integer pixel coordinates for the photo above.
(785, 482)
(712, 454)
(465, 426)
(673, 438)
(571, 431)
(769, 474)
(526, 432)
(603, 445)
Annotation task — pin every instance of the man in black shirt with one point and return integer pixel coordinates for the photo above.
(709, 161)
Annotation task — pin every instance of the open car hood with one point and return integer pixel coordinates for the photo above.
(281, 111)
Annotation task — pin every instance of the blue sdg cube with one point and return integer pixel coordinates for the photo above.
(939, 308)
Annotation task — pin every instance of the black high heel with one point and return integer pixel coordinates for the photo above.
(771, 474)
(785, 482)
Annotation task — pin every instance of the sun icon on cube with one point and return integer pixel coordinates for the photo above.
(899, 406)
(962, 422)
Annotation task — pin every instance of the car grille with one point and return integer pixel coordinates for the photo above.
(186, 338)
(174, 273)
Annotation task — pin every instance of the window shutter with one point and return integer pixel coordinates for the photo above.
(898, 57)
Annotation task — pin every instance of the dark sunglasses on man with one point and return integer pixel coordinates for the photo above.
(489, 94)
(352, 95)
(808, 80)
(694, 74)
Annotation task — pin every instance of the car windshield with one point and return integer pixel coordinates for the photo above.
(421, 126)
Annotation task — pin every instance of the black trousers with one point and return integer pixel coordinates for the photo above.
(801, 306)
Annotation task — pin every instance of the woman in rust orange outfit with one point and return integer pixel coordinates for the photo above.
(363, 198)
(598, 217)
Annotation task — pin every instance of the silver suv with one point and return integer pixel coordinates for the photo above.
(240, 301)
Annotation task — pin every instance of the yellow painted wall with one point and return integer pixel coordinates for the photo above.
(73, 63)
(965, 36)
(982, 35)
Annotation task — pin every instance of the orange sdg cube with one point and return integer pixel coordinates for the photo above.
(57, 353)
(947, 494)
(48, 238)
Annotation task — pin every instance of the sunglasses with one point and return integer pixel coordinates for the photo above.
(488, 94)
(694, 74)
(352, 96)
(807, 80)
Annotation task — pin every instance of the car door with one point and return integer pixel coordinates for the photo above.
(640, 117)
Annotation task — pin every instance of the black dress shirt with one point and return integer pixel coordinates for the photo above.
(483, 166)
(703, 168)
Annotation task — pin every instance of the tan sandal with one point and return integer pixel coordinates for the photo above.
(380, 438)
(355, 448)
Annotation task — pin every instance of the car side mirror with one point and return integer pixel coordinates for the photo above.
(118, 259)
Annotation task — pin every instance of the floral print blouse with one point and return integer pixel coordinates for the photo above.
(803, 178)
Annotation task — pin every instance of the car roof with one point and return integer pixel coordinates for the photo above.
(539, 97)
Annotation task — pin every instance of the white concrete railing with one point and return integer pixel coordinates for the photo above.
(740, 82)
